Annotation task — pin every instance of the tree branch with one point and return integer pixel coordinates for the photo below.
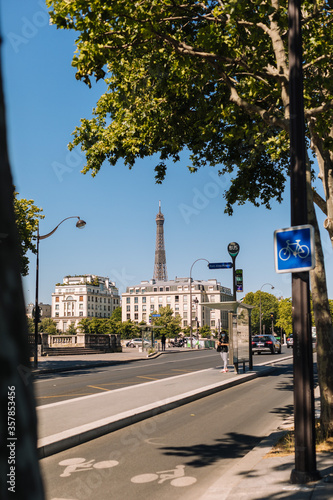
(319, 201)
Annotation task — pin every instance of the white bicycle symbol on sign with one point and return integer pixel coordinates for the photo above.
(176, 476)
(294, 249)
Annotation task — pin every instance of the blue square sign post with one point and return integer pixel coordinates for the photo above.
(294, 249)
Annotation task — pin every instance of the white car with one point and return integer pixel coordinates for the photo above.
(137, 343)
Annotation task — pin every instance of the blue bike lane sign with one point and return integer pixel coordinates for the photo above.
(294, 249)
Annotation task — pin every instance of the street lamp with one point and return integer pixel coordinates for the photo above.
(80, 224)
(260, 304)
(191, 329)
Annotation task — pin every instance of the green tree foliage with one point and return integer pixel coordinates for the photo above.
(170, 324)
(205, 332)
(31, 325)
(116, 315)
(47, 325)
(109, 326)
(185, 74)
(27, 216)
(284, 320)
(212, 78)
(269, 304)
(71, 330)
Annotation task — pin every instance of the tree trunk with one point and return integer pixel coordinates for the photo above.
(19, 465)
(323, 322)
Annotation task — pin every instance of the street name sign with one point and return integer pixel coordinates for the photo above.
(220, 265)
(294, 249)
(155, 315)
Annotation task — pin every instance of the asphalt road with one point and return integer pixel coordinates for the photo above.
(51, 388)
(176, 455)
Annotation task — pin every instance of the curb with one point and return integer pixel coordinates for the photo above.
(78, 435)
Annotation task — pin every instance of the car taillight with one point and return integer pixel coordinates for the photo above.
(269, 342)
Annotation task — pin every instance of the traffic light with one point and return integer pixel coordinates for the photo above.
(272, 316)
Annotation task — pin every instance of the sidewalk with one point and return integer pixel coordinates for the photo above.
(69, 423)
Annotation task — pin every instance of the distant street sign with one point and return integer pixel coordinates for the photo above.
(294, 249)
(220, 265)
(155, 315)
(239, 280)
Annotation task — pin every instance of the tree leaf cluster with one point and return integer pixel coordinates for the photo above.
(27, 216)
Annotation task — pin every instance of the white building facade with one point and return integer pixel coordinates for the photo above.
(139, 302)
(85, 296)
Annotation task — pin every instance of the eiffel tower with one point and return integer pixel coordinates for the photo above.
(160, 269)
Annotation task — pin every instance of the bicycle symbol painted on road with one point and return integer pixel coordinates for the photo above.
(294, 249)
(176, 476)
(80, 464)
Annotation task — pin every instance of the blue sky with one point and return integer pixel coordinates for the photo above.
(44, 104)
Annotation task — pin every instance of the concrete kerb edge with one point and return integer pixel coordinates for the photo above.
(47, 447)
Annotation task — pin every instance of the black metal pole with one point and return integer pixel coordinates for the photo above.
(305, 453)
(234, 277)
(36, 318)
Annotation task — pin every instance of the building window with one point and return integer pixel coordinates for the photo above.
(136, 316)
(81, 313)
(57, 315)
(136, 300)
(57, 299)
(185, 298)
(143, 290)
(161, 288)
(143, 300)
(160, 300)
(128, 316)
(152, 299)
(128, 300)
(168, 299)
(144, 308)
(81, 298)
(131, 290)
(152, 308)
(136, 307)
(128, 308)
(184, 307)
(185, 323)
(57, 307)
(155, 289)
(167, 289)
(137, 290)
(176, 298)
(184, 315)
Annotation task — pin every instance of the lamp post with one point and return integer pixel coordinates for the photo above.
(260, 304)
(191, 329)
(80, 223)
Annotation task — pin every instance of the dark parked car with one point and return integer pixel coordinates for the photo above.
(266, 343)
(290, 341)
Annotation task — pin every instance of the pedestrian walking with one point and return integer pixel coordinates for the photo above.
(163, 342)
(223, 348)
